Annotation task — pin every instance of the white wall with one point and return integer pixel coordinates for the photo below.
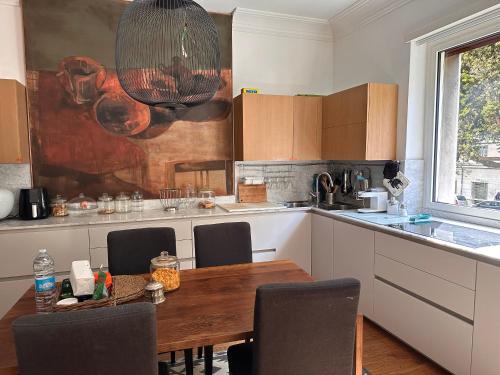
(11, 41)
(379, 52)
(281, 54)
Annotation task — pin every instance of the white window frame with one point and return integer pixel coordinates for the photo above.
(471, 28)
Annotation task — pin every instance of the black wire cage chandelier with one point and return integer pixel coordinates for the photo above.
(167, 53)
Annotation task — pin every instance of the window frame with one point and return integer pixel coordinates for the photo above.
(459, 33)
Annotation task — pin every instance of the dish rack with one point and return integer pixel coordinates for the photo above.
(170, 199)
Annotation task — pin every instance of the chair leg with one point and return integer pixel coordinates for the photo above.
(188, 360)
(209, 354)
(172, 358)
(200, 352)
(162, 368)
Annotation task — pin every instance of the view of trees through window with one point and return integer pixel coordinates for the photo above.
(468, 169)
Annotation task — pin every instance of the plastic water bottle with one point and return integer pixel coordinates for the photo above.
(45, 281)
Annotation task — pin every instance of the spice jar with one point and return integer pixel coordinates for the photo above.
(123, 204)
(137, 202)
(105, 204)
(207, 198)
(154, 292)
(166, 270)
(59, 206)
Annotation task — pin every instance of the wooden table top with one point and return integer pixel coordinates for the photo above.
(213, 306)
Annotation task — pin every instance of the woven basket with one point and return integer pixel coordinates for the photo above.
(125, 288)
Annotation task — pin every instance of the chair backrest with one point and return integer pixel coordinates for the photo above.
(130, 251)
(222, 244)
(110, 340)
(305, 328)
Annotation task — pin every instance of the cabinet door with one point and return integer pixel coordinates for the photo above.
(486, 342)
(307, 128)
(353, 256)
(346, 107)
(267, 127)
(285, 235)
(321, 247)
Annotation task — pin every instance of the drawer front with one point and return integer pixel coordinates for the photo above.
(442, 337)
(20, 248)
(441, 292)
(440, 263)
(99, 234)
(99, 255)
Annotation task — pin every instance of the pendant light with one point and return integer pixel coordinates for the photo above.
(167, 53)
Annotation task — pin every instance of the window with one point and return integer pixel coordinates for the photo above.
(466, 149)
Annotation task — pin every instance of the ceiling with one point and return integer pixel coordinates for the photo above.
(324, 9)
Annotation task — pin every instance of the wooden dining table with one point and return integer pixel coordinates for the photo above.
(213, 306)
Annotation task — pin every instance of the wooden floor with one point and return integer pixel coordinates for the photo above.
(386, 355)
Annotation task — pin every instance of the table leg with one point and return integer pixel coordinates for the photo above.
(188, 360)
(209, 354)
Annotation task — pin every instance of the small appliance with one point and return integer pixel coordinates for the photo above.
(378, 201)
(6, 203)
(33, 204)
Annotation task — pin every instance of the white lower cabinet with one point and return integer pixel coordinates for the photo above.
(353, 256)
(321, 247)
(284, 235)
(442, 337)
(486, 343)
(11, 291)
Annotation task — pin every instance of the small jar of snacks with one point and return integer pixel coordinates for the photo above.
(105, 204)
(82, 205)
(59, 206)
(166, 270)
(137, 202)
(123, 204)
(207, 198)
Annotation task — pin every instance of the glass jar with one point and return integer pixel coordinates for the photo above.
(137, 202)
(123, 204)
(207, 198)
(166, 270)
(59, 206)
(105, 204)
(82, 205)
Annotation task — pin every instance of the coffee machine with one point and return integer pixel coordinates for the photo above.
(378, 200)
(33, 204)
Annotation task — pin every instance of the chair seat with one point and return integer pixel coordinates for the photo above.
(240, 359)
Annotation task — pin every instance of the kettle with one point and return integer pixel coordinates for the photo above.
(33, 204)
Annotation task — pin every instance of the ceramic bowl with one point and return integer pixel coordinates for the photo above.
(6, 203)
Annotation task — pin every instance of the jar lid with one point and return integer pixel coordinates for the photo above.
(105, 197)
(164, 260)
(153, 286)
(59, 199)
(122, 197)
(137, 196)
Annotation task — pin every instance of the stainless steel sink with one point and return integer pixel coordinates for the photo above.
(296, 204)
(337, 206)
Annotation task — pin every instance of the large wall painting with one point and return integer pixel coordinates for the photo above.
(88, 135)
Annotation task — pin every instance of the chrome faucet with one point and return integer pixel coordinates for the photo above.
(330, 180)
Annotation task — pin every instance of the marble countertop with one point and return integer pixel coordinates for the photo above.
(377, 222)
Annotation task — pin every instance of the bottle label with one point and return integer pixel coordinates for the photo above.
(45, 284)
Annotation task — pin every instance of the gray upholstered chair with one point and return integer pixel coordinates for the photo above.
(130, 252)
(110, 340)
(301, 328)
(221, 245)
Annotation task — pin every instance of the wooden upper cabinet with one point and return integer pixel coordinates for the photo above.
(14, 139)
(275, 127)
(307, 127)
(263, 127)
(360, 123)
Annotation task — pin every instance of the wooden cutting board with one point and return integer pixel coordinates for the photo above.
(252, 193)
(243, 207)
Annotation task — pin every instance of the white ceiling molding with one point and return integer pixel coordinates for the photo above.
(283, 25)
(361, 14)
(12, 3)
